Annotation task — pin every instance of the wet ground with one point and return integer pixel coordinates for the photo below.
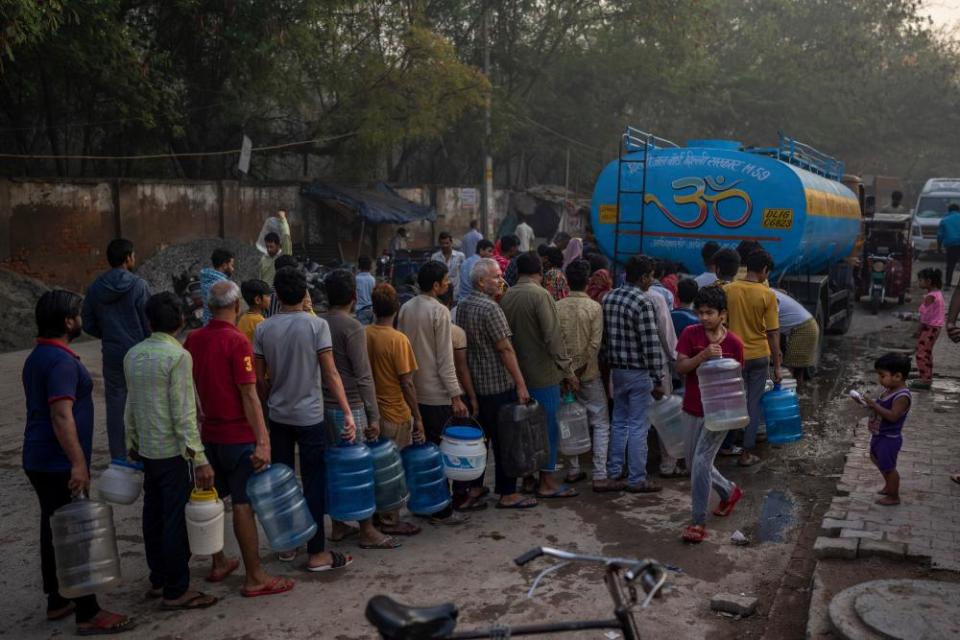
(785, 497)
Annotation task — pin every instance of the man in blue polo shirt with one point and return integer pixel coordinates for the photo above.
(948, 237)
(57, 443)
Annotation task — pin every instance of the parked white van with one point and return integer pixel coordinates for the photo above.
(936, 196)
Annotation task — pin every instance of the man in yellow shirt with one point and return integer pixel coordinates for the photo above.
(256, 293)
(393, 364)
(753, 315)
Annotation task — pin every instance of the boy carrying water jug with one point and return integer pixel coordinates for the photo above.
(697, 344)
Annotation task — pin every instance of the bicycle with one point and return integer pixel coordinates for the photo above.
(396, 621)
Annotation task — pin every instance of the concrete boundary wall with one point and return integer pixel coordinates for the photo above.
(57, 230)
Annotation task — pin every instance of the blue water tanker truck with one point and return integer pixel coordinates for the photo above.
(667, 201)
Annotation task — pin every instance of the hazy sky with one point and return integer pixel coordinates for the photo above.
(945, 13)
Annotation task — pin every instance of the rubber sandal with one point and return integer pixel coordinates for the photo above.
(750, 461)
(213, 576)
(275, 586)
(563, 491)
(455, 518)
(694, 533)
(351, 532)
(340, 561)
(388, 542)
(646, 487)
(471, 504)
(725, 507)
(400, 529)
(287, 556)
(105, 623)
(526, 503)
(611, 486)
(61, 613)
(198, 601)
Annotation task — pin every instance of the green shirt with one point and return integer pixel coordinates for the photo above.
(161, 410)
(532, 314)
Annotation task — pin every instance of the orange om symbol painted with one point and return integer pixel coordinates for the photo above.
(705, 201)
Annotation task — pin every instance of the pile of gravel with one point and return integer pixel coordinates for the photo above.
(18, 299)
(189, 258)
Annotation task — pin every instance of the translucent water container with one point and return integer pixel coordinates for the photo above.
(781, 411)
(522, 429)
(204, 516)
(574, 427)
(426, 480)
(121, 482)
(351, 491)
(464, 452)
(723, 394)
(390, 482)
(281, 508)
(666, 416)
(85, 547)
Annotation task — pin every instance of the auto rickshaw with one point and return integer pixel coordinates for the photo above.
(886, 268)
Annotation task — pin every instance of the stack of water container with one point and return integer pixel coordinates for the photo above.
(724, 395)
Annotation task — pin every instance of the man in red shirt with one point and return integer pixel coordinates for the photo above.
(232, 428)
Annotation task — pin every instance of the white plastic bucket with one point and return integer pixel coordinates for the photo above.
(204, 515)
(121, 482)
(464, 453)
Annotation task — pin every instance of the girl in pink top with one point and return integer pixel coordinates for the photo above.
(931, 322)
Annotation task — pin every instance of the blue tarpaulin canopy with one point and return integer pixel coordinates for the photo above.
(382, 204)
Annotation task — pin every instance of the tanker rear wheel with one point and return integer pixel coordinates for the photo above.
(843, 326)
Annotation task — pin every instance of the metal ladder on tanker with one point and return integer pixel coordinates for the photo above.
(631, 141)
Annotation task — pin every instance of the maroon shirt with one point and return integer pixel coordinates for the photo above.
(692, 341)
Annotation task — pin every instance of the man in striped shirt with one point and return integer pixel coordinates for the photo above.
(161, 421)
(631, 347)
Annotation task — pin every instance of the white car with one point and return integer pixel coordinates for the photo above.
(937, 195)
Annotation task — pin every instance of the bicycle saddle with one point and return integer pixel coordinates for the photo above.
(396, 621)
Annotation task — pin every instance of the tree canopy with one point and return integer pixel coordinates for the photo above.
(394, 89)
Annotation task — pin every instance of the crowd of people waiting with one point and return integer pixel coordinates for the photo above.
(490, 326)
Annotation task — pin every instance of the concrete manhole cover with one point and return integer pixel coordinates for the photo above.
(898, 610)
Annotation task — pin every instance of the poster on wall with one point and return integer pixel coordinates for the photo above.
(469, 198)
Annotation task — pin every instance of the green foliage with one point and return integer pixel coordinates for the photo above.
(866, 80)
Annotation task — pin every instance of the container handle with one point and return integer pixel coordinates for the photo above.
(473, 422)
(776, 386)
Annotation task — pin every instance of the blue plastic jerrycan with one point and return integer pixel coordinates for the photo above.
(350, 484)
(781, 411)
(426, 480)
(279, 504)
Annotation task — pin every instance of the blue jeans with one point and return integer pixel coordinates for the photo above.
(755, 373)
(166, 491)
(549, 399)
(312, 440)
(365, 316)
(115, 396)
(630, 425)
(702, 448)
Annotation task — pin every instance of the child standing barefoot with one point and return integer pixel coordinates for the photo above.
(931, 323)
(886, 426)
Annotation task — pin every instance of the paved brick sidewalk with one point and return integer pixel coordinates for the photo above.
(926, 525)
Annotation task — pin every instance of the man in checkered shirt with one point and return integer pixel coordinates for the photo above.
(493, 366)
(631, 347)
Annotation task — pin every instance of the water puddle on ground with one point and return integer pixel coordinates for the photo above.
(776, 514)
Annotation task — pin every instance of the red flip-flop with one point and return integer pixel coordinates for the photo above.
(695, 533)
(275, 586)
(725, 507)
(232, 566)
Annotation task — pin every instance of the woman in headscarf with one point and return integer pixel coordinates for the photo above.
(553, 278)
(573, 251)
(601, 282)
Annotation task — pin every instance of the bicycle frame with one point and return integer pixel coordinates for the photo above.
(619, 579)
